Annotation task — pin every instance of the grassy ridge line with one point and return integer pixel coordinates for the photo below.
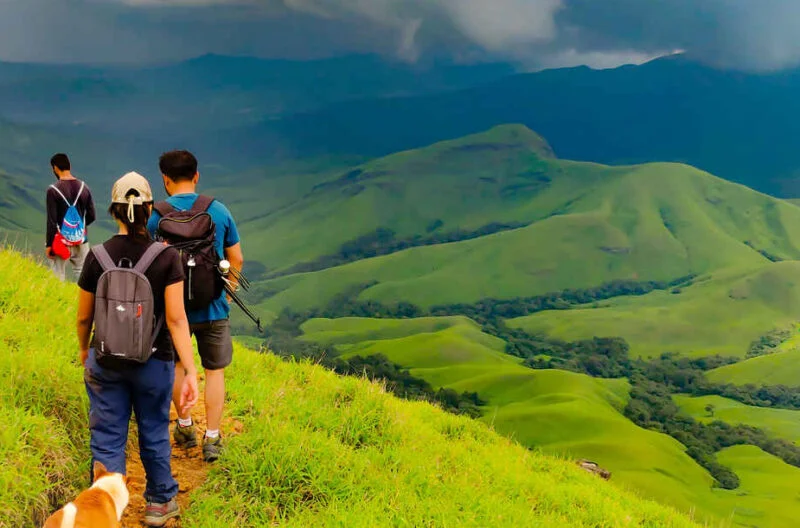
(324, 450)
(651, 222)
(317, 449)
(43, 410)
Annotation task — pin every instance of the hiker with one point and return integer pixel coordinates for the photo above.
(208, 308)
(139, 321)
(70, 210)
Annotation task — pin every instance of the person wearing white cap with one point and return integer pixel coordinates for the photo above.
(116, 386)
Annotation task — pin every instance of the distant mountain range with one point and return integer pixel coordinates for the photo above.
(240, 113)
(742, 127)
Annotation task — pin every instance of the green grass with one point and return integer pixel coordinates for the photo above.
(781, 423)
(322, 450)
(722, 314)
(558, 412)
(316, 449)
(569, 414)
(21, 209)
(44, 438)
(780, 368)
(647, 222)
(767, 497)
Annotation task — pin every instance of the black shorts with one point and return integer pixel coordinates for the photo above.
(214, 343)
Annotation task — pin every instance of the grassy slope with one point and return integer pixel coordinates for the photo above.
(656, 221)
(317, 449)
(703, 319)
(43, 439)
(780, 368)
(20, 208)
(781, 423)
(767, 497)
(466, 183)
(556, 411)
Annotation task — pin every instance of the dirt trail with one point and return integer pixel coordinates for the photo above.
(187, 466)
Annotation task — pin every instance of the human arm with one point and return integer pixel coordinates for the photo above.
(91, 215)
(178, 326)
(84, 322)
(52, 222)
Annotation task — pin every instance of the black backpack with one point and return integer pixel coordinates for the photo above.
(192, 233)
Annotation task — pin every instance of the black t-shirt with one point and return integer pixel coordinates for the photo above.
(166, 270)
(57, 207)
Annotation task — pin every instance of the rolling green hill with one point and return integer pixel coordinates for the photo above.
(567, 225)
(556, 412)
(769, 489)
(782, 368)
(316, 449)
(703, 319)
(781, 423)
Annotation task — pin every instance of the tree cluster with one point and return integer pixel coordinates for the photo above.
(397, 379)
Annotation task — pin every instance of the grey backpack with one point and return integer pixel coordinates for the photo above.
(125, 326)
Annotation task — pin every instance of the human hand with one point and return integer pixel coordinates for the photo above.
(84, 355)
(189, 392)
(48, 251)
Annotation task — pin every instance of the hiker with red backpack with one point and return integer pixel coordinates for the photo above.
(70, 210)
(205, 234)
(131, 294)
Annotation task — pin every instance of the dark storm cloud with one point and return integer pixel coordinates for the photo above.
(752, 34)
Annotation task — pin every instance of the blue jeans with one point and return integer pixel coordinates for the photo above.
(147, 390)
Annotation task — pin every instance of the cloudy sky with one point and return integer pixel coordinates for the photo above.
(745, 34)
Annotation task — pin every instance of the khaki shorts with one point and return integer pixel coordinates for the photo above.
(214, 343)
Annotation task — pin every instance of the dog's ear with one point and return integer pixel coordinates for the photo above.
(99, 470)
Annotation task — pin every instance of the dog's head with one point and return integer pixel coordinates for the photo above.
(115, 484)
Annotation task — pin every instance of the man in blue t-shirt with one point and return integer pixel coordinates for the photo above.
(210, 325)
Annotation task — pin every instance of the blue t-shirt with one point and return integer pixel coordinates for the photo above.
(226, 236)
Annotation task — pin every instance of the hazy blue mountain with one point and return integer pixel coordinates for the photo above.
(743, 127)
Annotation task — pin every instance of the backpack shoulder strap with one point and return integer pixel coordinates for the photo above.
(163, 208)
(78, 196)
(102, 256)
(152, 253)
(202, 203)
(56, 189)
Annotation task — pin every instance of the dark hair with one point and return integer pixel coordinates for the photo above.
(137, 230)
(178, 165)
(60, 161)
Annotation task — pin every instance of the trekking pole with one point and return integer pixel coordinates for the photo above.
(244, 308)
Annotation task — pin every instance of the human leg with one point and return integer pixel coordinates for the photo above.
(77, 258)
(215, 346)
(151, 395)
(109, 414)
(59, 268)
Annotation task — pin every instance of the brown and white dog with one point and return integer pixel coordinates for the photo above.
(100, 506)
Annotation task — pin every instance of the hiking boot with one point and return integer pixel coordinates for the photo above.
(158, 514)
(185, 437)
(212, 448)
